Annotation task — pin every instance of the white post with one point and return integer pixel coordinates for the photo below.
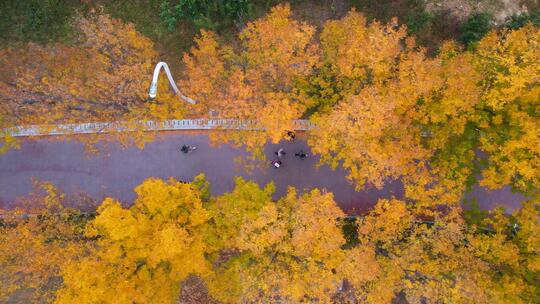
(153, 87)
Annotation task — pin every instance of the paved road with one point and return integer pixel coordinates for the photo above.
(117, 171)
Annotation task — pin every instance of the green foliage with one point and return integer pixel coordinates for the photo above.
(208, 14)
(472, 213)
(475, 28)
(458, 155)
(323, 89)
(418, 21)
(168, 16)
(349, 227)
(7, 142)
(143, 13)
(203, 186)
(35, 20)
(519, 20)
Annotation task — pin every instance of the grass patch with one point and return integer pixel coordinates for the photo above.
(172, 24)
(39, 21)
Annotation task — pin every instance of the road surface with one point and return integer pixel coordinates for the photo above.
(117, 171)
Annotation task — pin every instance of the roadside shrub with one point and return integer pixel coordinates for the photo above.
(475, 28)
(520, 20)
(208, 14)
(417, 22)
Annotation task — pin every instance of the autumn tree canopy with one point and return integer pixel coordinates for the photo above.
(446, 260)
(393, 108)
(103, 76)
(255, 79)
(100, 78)
(384, 109)
(144, 251)
(36, 241)
(248, 247)
(509, 111)
(288, 250)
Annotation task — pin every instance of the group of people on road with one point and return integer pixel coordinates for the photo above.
(277, 163)
(186, 149)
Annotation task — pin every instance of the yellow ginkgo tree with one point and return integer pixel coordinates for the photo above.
(144, 252)
(444, 260)
(250, 247)
(102, 77)
(509, 119)
(286, 250)
(37, 239)
(253, 81)
(394, 109)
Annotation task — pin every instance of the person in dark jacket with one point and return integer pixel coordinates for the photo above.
(302, 155)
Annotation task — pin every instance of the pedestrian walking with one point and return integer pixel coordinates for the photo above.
(186, 149)
(276, 163)
(302, 155)
(280, 152)
(291, 135)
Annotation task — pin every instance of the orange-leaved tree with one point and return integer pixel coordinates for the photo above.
(249, 247)
(36, 240)
(142, 252)
(286, 250)
(509, 119)
(253, 81)
(100, 78)
(394, 109)
(103, 76)
(447, 261)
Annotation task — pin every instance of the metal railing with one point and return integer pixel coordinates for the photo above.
(168, 125)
